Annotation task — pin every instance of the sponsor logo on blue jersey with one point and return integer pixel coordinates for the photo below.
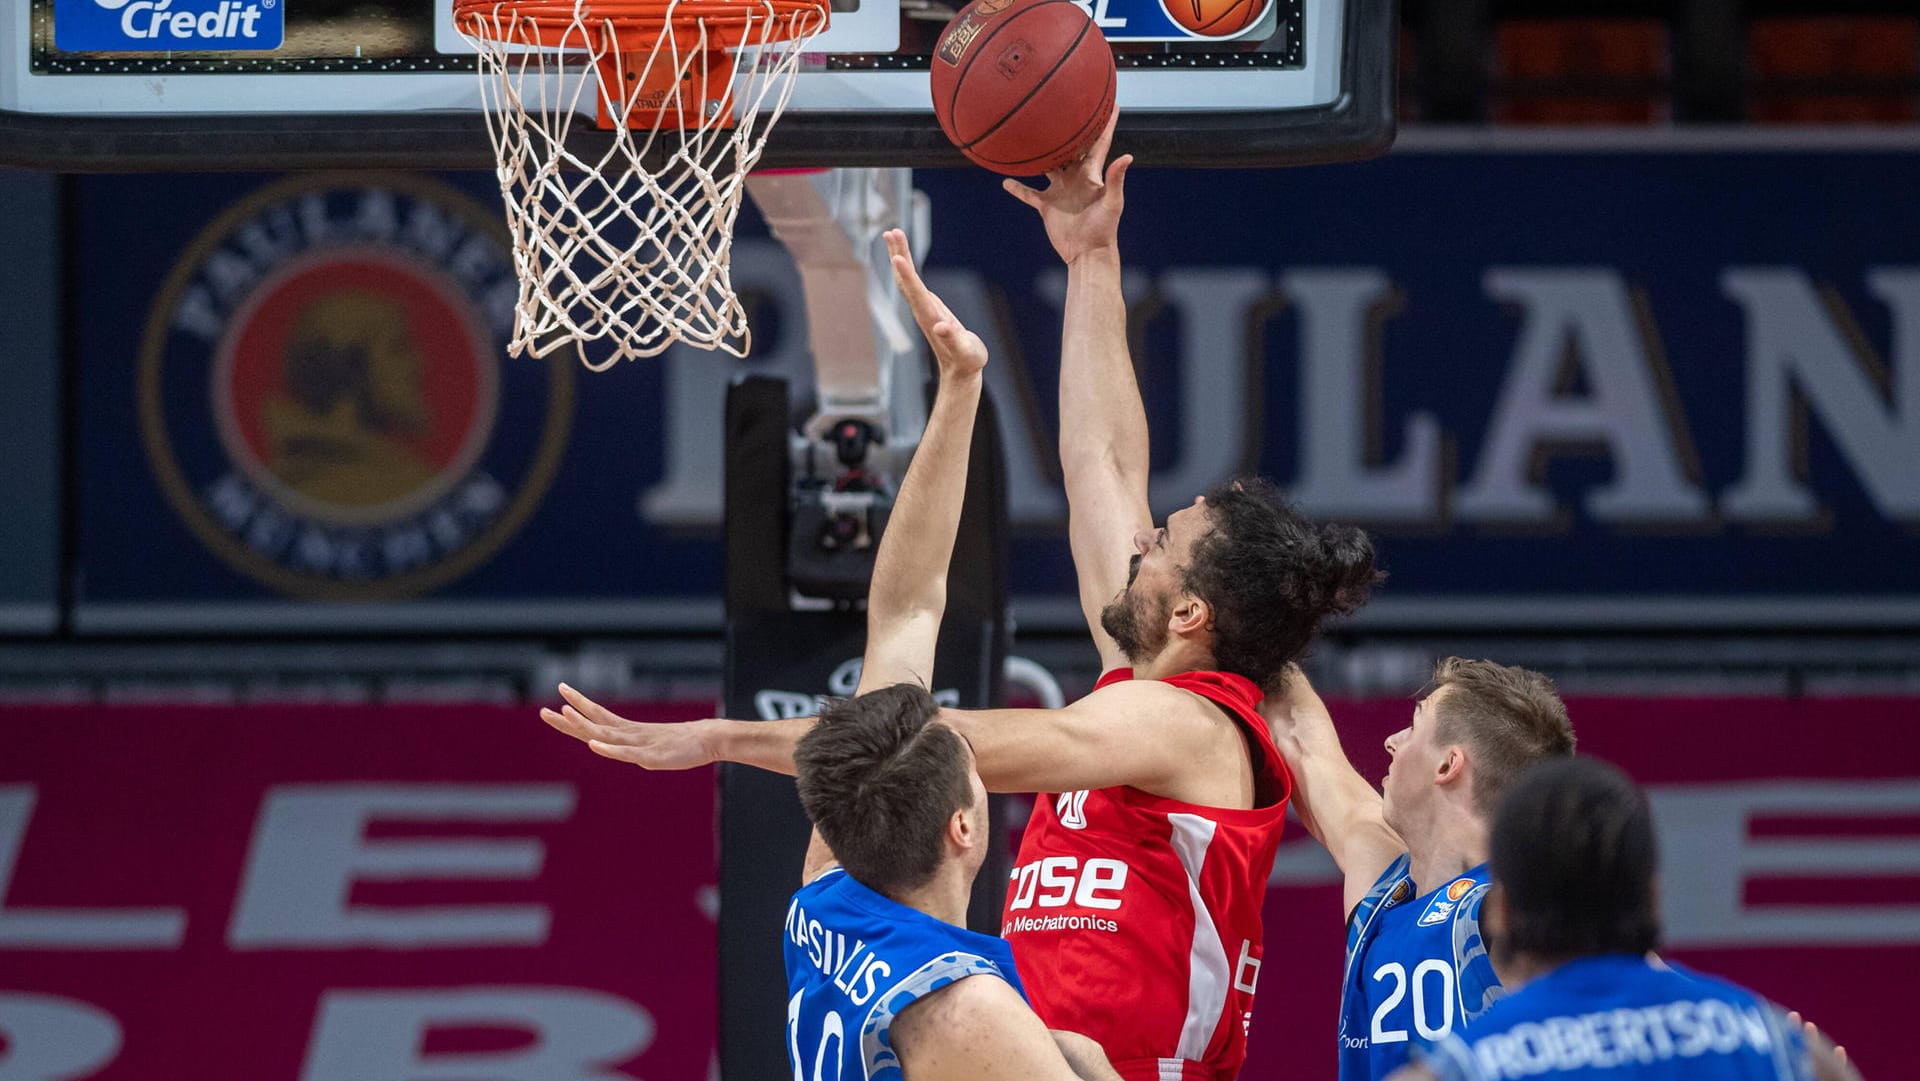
(121, 26)
(1445, 902)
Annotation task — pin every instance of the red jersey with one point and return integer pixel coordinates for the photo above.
(1135, 920)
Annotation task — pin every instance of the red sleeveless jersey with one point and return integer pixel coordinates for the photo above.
(1135, 920)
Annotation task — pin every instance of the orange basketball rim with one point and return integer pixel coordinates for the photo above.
(648, 48)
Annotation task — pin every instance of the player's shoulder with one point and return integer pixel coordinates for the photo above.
(1695, 982)
(971, 1008)
(1155, 699)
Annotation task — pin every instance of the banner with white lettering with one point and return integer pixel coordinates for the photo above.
(344, 893)
(340, 894)
(1563, 388)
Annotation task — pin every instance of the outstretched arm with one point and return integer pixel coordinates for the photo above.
(979, 1029)
(1103, 425)
(1337, 805)
(1142, 733)
(909, 590)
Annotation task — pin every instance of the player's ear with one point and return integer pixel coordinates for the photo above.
(960, 831)
(1190, 615)
(1453, 765)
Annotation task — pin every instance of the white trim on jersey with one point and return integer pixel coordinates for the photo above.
(1208, 974)
(1172, 1069)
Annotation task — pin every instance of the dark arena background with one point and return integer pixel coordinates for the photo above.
(1616, 354)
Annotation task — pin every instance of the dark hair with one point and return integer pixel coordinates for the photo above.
(1509, 718)
(1271, 576)
(1574, 851)
(880, 777)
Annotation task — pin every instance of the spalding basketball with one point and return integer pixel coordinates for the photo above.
(1215, 18)
(1022, 86)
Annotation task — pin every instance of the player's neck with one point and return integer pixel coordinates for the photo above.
(944, 897)
(1177, 656)
(1451, 843)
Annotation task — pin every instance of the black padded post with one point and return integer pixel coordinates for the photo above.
(775, 653)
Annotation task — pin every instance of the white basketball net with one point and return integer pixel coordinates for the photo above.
(609, 250)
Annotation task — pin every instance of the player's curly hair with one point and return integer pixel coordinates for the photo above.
(1574, 851)
(880, 777)
(1271, 575)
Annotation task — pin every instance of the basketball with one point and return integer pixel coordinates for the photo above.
(1022, 86)
(1215, 18)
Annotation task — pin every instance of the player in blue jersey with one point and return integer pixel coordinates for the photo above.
(884, 979)
(1574, 920)
(1414, 855)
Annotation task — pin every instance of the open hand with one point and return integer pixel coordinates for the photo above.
(677, 745)
(956, 349)
(1082, 202)
(1830, 1061)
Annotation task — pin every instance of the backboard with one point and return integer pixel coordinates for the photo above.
(131, 85)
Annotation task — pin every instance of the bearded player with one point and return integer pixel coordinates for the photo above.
(1134, 908)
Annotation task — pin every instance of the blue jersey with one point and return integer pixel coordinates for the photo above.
(1621, 1017)
(855, 959)
(1416, 969)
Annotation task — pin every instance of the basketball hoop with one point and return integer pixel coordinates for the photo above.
(630, 245)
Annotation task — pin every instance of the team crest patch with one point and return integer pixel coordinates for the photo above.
(1445, 902)
(325, 395)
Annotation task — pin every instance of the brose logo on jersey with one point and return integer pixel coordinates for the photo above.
(167, 25)
(1063, 882)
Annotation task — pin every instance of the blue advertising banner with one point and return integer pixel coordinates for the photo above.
(118, 26)
(1563, 389)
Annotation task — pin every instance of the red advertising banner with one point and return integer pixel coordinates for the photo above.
(356, 893)
(347, 894)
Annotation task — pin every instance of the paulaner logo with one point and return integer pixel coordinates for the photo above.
(325, 396)
(169, 25)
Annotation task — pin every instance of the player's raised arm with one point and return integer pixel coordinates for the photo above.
(908, 594)
(905, 601)
(1103, 425)
(1335, 803)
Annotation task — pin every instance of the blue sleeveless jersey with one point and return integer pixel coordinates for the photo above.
(1416, 969)
(855, 959)
(1625, 1018)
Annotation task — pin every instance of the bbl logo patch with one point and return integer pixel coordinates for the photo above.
(1444, 903)
(325, 394)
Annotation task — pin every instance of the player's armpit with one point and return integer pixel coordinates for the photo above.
(1142, 733)
(978, 1029)
(1414, 1072)
(1365, 850)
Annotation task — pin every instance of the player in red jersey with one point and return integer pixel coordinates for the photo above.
(1134, 908)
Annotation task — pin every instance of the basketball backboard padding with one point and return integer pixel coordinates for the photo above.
(1177, 108)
